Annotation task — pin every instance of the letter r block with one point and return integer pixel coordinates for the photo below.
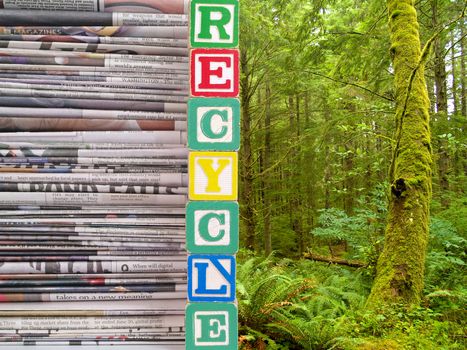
(214, 124)
(214, 23)
(211, 326)
(212, 227)
(214, 73)
(213, 176)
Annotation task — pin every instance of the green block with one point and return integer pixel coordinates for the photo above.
(211, 326)
(213, 124)
(214, 23)
(212, 227)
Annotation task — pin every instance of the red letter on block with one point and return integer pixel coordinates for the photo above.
(214, 73)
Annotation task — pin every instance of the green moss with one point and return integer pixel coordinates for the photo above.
(379, 345)
(400, 268)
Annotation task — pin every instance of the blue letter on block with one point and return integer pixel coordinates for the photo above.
(211, 278)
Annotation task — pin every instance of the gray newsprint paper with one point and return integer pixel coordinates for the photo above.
(173, 179)
(149, 32)
(92, 267)
(62, 18)
(176, 153)
(93, 173)
(134, 6)
(60, 94)
(68, 323)
(122, 48)
(59, 40)
(72, 198)
(104, 305)
(128, 137)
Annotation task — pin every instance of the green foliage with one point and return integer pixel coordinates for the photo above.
(456, 214)
(362, 232)
(446, 278)
(400, 328)
(277, 302)
(446, 257)
(262, 288)
(285, 304)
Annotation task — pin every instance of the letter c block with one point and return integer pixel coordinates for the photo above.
(214, 124)
(212, 227)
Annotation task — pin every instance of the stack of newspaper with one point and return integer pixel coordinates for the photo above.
(93, 171)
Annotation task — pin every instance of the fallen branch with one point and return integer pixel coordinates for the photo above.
(334, 260)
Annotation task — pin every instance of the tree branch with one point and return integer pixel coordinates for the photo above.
(352, 84)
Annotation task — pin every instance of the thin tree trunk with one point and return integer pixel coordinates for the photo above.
(441, 106)
(298, 213)
(431, 93)
(348, 163)
(463, 73)
(266, 182)
(401, 265)
(290, 165)
(327, 158)
(307, 109)
(308, 167)
(439, 65)
(455, 96)
(463, 83)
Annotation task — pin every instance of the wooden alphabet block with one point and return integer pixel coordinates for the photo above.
(214, 23)
(213, 176)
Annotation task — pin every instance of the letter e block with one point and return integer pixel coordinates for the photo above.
(214, 124)
(213, 176)
(214, 23)
(211, 278)
(214, 73)
(212, 227)
(211, 326)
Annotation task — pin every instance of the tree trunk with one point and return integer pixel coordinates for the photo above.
(463, 82)
(400, 268)
(439, 65)
(267, 164)
(455, 96)
(298, 188)
(463, 73)
(246, 164)
(431, 93)
(441, 106)
(334, 260)
(348, 183)
(309, 166)
(328, 142)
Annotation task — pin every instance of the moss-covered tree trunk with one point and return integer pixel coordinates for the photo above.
(400, 268)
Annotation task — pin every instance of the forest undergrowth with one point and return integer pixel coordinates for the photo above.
(302, 304)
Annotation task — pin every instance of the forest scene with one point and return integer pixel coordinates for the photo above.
(353, 175)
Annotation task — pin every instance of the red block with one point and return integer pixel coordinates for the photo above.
(214, 73)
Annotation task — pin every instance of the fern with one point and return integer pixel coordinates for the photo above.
(262, 288)
(276, 300)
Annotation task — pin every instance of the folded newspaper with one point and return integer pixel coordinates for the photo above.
(93, 172)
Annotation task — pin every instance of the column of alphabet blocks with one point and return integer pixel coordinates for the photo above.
(213, 139)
